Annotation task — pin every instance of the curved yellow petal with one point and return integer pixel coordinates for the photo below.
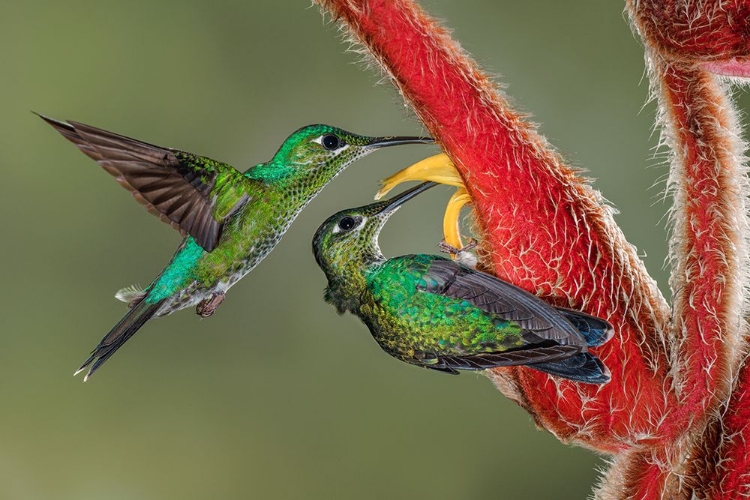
(438, 168)
(451, 219)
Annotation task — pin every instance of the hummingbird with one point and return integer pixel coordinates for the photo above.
(437, 313)
(231, 220)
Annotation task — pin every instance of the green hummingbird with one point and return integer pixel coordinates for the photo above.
(231, 220)
(436, 313)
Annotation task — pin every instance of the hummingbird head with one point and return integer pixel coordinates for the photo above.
(347, 242)
(317, 153)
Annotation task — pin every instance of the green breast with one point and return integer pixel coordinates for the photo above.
(246, 239)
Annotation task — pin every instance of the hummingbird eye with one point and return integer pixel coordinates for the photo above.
(347, 223)
(330, 142)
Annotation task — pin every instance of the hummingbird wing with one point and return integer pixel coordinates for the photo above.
(450, 335)
(193, 194)
(564, 334)
(493, 295)
(595, 330)
(542, 353)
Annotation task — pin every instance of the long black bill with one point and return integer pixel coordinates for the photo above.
(392, 204)
(382, 142)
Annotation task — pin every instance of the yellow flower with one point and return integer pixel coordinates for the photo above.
(440, 169)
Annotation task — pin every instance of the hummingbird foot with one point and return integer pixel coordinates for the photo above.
(462, 255)
(446, 247)
(208, 306)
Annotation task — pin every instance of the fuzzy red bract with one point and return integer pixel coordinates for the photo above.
(546, 230)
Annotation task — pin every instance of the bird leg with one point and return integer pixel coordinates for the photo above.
(446, 247)
(462, 254)
(208, 306)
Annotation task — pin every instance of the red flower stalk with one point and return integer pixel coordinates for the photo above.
(674, 414)
(685, 44)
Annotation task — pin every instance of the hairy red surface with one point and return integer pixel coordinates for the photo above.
(543, 228)
(674, 416)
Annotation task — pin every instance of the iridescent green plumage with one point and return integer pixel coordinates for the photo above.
(436, 313)
(395, 303)
(231, 220)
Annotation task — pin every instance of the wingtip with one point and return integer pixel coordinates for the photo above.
(584, 368)
(58, 124)
(43, 117)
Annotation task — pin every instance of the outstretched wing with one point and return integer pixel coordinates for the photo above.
(491, 294)
(193, 194)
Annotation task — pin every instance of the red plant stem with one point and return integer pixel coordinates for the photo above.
(694, 31)
(708, 240)
(644, 478)
(724, 469)
(543, 228)
(673, 412)
(709, 243)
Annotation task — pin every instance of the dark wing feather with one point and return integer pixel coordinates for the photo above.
(491, 294)
(177, 187)
(541, 353)
(583, 367)
(595, 330)
(556, 339)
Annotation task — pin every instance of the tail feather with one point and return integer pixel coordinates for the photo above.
(584, 367)
(126, 328)
(595, 330)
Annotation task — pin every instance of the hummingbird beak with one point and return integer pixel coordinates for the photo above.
(382, 142)
(390, 206)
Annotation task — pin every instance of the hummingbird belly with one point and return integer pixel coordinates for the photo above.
(215, 272)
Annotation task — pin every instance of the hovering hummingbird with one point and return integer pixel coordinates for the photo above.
(436, 313)
(231, 220)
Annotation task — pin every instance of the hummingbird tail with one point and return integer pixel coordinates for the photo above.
(584, 367)
(126, 328)
(595, 330)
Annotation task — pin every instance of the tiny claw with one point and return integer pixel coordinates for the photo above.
(446, 247)
(462, 254)
(208, 306)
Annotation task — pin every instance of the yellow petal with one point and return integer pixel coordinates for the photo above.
(451, 219)
(438, 168)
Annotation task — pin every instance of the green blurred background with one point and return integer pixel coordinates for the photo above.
(275, 396)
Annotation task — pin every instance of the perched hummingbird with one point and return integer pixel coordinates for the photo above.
(231, 220)
(436, 313)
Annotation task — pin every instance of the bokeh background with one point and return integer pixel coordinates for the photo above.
(275, 396)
